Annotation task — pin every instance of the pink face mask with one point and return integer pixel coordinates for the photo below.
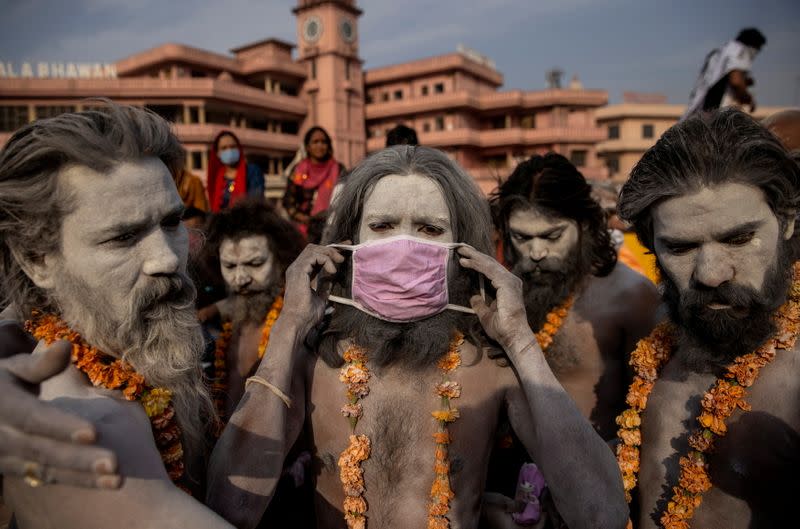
(400, 279)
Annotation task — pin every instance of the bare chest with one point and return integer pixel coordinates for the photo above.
(397, 418)
(751, 467)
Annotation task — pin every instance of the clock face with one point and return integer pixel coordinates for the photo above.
(348, 30)
(312, 29)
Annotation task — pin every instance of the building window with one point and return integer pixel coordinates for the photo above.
(578, 158)
(613, 132)
(647, 131)
(385, 96)
(12, 118)
(426, 127)
(51, 111)
(498, 122)
(438, 88)
(528, 122)
(194, 114)
(347, 70)
(612, 162)
(439, 123)
(370, 99)
(398, 94)
(197, 160)
(313, 68)
(424, 90)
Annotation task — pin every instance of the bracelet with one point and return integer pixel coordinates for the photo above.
(274, 389)
(530, 344)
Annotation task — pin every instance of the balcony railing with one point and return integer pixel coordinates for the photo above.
(145, 87)
(250, 138)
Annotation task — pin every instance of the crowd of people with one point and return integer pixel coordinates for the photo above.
(386, 346)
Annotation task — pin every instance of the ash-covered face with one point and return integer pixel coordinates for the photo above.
(542, 243)
(247, 264)
(725, 260)
(411, 205)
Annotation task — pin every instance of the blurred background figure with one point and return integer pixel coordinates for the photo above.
(310, 190)
(401, 135)
(230, 177)
(191, 190)
(725, 77)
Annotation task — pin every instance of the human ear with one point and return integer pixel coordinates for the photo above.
(790, 220)
(40, 269)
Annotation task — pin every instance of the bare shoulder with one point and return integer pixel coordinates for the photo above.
(625, 283)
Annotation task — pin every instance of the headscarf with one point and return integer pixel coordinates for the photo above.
(216, 175)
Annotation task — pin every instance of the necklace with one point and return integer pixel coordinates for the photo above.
(111, 373)
(718, 403)
(553, 322)
(355, 375)
(219, 385)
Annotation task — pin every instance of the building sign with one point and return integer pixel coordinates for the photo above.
(57, 70)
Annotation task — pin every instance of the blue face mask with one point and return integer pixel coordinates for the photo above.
(229, 156)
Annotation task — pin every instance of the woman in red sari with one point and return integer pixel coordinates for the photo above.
(230, 177)
(310, 189)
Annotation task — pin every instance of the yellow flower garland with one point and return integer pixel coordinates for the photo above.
(355, 375)
(111, 373)
(718, 403)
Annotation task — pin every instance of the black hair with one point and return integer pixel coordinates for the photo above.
(752, 37)
(401, 135)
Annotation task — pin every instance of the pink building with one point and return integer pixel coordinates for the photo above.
(269, 97)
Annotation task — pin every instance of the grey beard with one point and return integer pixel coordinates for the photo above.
(160, 337)
(252, 308)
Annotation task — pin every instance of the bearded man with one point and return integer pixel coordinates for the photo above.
(587, 309)
(399, 395)
(250, 246)
(87, 260)
(712, 438)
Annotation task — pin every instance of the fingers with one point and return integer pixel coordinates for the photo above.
(314, 257)
(15, 467)
(478, 304)
(47, 362)
(21, 410)
(57, 454)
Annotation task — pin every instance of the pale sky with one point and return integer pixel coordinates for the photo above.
(617, 45)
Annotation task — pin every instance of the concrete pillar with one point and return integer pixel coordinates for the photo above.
(31, 113)
(201, 114)
(187, 115)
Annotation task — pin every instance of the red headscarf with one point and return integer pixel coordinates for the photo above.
(321, 176)
(216, 175)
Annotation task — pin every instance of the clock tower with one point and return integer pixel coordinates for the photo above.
(327, 41)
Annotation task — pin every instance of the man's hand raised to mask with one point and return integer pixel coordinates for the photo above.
(301, 301)
(504, 319)
(37, 440)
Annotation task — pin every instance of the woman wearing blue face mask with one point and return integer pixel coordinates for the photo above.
(230, 177)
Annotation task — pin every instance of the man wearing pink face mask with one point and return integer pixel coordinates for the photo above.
(392, 373)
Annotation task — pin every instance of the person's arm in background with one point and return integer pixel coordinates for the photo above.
(738, 82)
(255, 180)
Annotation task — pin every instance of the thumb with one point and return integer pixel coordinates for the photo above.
(479, 306)
(45, 361)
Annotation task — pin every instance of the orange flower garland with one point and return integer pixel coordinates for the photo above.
(355, 375)
(718, 403)
(218, 385)
(553, 322)
(110, 373)
(441, 492)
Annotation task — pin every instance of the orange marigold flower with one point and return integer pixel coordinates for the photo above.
(446, 415)
(355, 521)
(352, 410)
(638, 392)
(448, 389)
(669, 521)
(629, 419)
(694, 477)
(450, 361)
(713, 423)
(355, 504)
(441, 467)
(441, 438)
(438, 522)
(628, 458)
(438, 509)
(630, 437)
(628, 482)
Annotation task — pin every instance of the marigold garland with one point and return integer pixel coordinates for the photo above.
(441, 492)
(718, 403)
(111, 373)
(553, 322)
(219, 385)
(355, 375)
